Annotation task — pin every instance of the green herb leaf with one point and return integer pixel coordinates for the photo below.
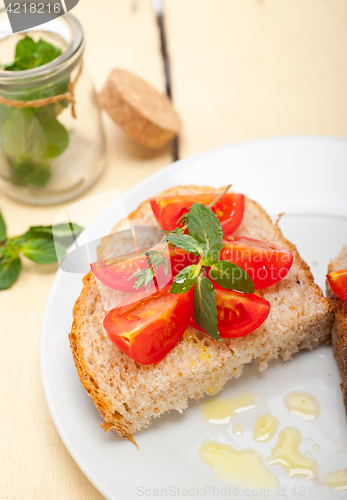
(65, 234)
(143, 278)
(22, 136)
(9, 271)
(231, 277)
(205, 309)
(185, 279)
(43, 251)
(204, 226)
(30, 54)
(4, 113)
(212, 255)
(185, 242)
(30, 173)
(56, 135)
(2, 228)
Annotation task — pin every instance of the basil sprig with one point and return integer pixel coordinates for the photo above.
(41, 244)
(204, 239)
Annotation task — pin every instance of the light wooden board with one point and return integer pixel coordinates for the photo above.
(241, 69)
(244, 69)
(34, 463)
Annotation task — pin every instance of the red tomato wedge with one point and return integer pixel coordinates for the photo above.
(115, 273)
(238, 313)
(229, 209)
(338, 282)
(266, 264)
(148, 329)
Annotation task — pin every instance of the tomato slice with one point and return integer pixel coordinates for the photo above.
(229, 209)
(115, 273)
(266, 264)
(238, 313)
(338, 282)
(148, 329)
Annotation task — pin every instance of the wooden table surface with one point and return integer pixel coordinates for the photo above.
(240, 70)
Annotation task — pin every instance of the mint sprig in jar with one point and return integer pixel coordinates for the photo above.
(51, 137)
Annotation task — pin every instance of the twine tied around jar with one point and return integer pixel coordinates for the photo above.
(39, 103)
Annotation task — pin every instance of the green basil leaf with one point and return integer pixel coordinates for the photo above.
(231, 277)
(212, 255)
(43, 251)
(204, 226)
(185, 279)
(9, 271)
(56, 135)
(22, 136)
(2, 228)
(205, 308)
(185, 242)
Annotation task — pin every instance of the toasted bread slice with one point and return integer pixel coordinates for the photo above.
(128, 395)
(339, 331)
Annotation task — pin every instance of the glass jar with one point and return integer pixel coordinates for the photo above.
(53, 148)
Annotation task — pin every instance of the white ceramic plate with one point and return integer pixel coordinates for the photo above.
(304, 177)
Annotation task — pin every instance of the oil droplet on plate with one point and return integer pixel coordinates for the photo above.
(265, 427)
(302, 405)
(286, 454)
(307, 454)
(220, 411)
(234, 466)
(337, 480)
(315, 447)
(238, 429)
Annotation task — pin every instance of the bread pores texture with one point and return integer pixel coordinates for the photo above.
(128, 395)
(339, 331)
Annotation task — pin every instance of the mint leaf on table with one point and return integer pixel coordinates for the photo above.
(231, 277)
(185, 242)
(9, 271)
(41, 244)
(185, 279)
(204, 306)
(43, 251)
(204, 226)
(65, 233)
(2, 229)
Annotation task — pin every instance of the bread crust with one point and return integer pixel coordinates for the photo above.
(292, 325)
(339, 330)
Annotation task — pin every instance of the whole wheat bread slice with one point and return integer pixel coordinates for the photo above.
(339, 331)
(128, 395)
